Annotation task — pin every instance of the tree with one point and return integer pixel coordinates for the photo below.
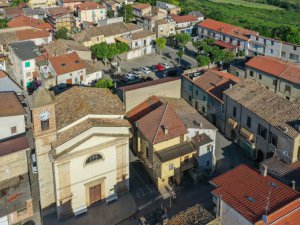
(61, 33)
(126, 12)
(105, 83)
(180, 54)
(183, 39)
(3, 23)
(110, 14)
(160, 43)
(203, 60)
(228, 56)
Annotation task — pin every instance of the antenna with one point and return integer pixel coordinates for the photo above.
(265, 216)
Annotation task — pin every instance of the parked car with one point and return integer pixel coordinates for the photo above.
(33, 163)
(166, 65)
(130, 76)
(136, 73)
(136, 70)
(146, 70)
(153, 68)
(160, 67)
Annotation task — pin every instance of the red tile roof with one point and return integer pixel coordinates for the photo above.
(31, 34)
(66, 63)
(183, 19)
(276, 67)
(90, 5)
(152, 124)
(13, 145)
(141, 6)
(228, 29)
(224, 44)
(29, 21)
(148, 83)
(10, 105)
(246, 191)
(58, 11)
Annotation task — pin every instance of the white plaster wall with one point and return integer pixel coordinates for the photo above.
(10, 121)
(229, 216)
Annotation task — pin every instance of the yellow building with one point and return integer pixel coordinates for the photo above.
(41, 3)
(161, 141)
(61, 17)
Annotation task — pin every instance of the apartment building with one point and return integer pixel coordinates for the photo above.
(91, 12)
(22, 56)
(261, 122)
(260, 45)
(171, 9)
(247, 197)
(185, 23)
(82, 148)
(14, 180)
(61, 17)
(204, 91)
(141, 9)
(281, 77)
(140, 43)
(237, 37)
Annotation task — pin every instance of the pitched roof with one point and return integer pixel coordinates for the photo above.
(41, 97)
(246, 191)
(31, 34)
(29, 21)
(93, 66)
(228, 29)
(148, 83)
(62, 47)
(163, 117)
(89, 6)
(10, 105)
(286, 70)
(141, 6)
(66, 63)
(276, 110)
(13, 145)
(78, 102)
(58, 11)
(25, 50)
(183, 19)
(7, 84)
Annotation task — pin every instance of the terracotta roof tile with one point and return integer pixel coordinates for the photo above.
(90, 5)
(66, 63)
(224, 44)
(246, 191)
(31, 34)
(58, 11)
(10, 105)
(13, 145)
(141, 6)
(184, 19)
(29, 21)
(228, 29)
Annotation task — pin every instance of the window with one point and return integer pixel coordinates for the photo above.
(294, 57)
(251, 73)
(147, 152)
(272, 43)
(136, 44)
(13, 130)
(190, 87)
(273, 139)
(274, 82)
(145, 42)
(271, 51)
(259, 76)
(249, 121)
(197, 92)
(203, 109)
(237, 74)
(204, 97)
(287, 97)
(256, 38)
(208, 148)
(93, 158)
(295, 48)
(283, 54)
(262, 131)
(287, 89)
(190, 98)
(27, 64)
(234, 111)
(186, 159)
(171, 166)
(45, 125)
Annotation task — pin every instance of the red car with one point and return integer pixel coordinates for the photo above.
(160, 67)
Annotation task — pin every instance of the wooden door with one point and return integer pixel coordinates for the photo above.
(69, 81)
(95, 193)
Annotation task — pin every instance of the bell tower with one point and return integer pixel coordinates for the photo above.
(42, 106)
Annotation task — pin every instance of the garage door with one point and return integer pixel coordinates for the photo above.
(95, 193)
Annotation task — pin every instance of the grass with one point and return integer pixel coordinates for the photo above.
(248, 4)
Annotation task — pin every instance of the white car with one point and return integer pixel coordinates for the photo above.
(166, 65)
(130, 76)
(146, 70)
(33, 163)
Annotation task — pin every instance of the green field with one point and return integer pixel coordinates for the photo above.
(248, 4)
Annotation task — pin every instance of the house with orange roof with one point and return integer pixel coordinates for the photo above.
(279, 76)
(91, 12)
(29, 21)
(141, 9)
(203, 89)
(61, 17)
(246, 196)
(184, 23)
(226, 33)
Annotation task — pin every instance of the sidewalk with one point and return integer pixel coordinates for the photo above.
(100, 214)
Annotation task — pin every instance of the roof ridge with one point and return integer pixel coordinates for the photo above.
(160, 122)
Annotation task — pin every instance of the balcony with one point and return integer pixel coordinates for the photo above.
(186, 165)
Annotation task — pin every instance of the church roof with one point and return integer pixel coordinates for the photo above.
(41, 97)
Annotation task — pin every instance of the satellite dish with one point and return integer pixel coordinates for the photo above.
(265, 219)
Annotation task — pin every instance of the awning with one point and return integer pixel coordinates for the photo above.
(121, 39)
(246, 134)
(232, 123)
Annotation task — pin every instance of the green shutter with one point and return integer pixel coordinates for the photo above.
(27, 64)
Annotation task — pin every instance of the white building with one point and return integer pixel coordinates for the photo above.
(91, 12)
(81, 141)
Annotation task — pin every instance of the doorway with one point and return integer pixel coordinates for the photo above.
(95, 193)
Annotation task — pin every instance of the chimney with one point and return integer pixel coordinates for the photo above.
(293, 184)
(264, 170)
(230, 86)
(165, 129)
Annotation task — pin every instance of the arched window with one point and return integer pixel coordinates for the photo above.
(93, 158)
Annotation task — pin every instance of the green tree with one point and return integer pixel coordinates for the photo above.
(160, 43)
(183, 39)
(3, 23)
(126, 12)
(110, 14)
(203, 60)
(61, 33)
(228, 56)
(105, 83)
(179, 54)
